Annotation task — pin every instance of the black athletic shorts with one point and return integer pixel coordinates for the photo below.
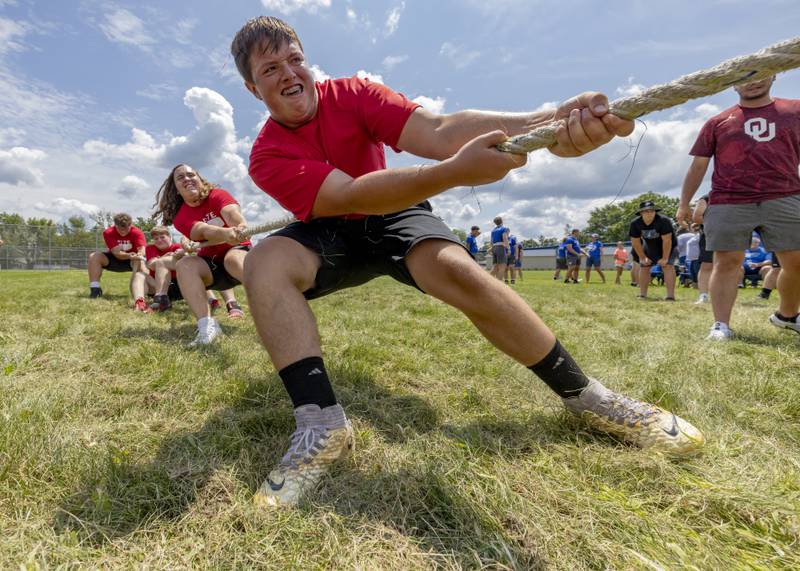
(352, 252)
(776, 263)
(117, 265)
(634, 256)
(174, 292)
(220, 278)
(706, 256)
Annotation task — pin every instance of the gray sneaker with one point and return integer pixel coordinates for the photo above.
(322, 437)
(634, 421)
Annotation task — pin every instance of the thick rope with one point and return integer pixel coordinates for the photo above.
(779, 57)
(251, 231)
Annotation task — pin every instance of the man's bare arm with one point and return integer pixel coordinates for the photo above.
(692, 181)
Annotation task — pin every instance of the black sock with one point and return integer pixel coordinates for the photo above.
(765, 291)
(789, 319)
(307, 382)
(561, 373)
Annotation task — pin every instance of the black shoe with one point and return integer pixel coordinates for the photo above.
(763, 295)
(161, 303)
(95, 292)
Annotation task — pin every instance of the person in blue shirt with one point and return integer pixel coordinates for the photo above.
(499, 248)
(561, 258)
(757, 263)
(594, 253)
(472, 243)
(512, 258)
(574, 254)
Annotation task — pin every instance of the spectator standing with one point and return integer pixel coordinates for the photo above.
(472, 241)
(620, 259)
(574, 254)
(499, 249)
(594, 258)
(561, 258)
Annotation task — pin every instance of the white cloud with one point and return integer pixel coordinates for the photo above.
(390, 62)
(17, 166)
(131, 186)
(433, 105)
(212, 143)
(10, 31)
(374, 77)
(65, 207)
(352, 17)
(289, 6)
(159, 91)
(124, 27)
(393, 18)
(630, 89)
(11, 136)
(458, 55)
(319, 74)
(183, 31)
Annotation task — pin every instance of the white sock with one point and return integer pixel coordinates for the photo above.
(94, 284)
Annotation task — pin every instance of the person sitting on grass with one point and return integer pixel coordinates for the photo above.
(126, 244)
(202, 212)
(162, 257)
(594, 258)
(620, 259)
(653, 238)
(358, 220)
(771, 279)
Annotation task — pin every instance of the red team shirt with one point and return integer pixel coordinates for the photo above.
(152, 251)
(756, 152)
(209, 211)
(130, 242)
(354, 119)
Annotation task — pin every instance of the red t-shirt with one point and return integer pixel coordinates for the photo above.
(210, 212)
(354, 119)
(152, 251)
(130, 242)
(756, 152)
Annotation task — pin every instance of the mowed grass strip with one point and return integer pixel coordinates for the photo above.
(120, 447)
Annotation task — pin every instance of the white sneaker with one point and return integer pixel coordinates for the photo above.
(206, 333)
(702, 299)
(719, 332)
(784, 324)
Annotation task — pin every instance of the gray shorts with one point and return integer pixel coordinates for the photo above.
(728, 227)
(561, 263)
(573, 261)
(499, 254)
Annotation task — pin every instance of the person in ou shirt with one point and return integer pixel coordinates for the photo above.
(653, 238)
(511, 263)
(561, 258)
(573, 254)
(472, 242)
(594, 257)
(755, 187)
(202, 212)
(756, 264)
(126, 244)
(620, 259)
(321, 156)
(162, 257)
(499, 248)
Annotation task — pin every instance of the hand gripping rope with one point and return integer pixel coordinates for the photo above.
(251, 231)
(782, 56)
(778, 57)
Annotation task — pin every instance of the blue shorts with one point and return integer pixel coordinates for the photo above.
(592, 262)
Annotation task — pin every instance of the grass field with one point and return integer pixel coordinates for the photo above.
(119, 447)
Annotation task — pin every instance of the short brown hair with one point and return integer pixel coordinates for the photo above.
(159, 230)
(122, 220)
(264, 32)
(498, 221)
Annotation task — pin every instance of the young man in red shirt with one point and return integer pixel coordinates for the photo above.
(321, 156)
(126, 249)
(755, 187)
(204, 213)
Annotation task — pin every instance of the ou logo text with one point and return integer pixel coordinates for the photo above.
(759, 129)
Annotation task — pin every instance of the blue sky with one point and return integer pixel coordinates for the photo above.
(99, 99)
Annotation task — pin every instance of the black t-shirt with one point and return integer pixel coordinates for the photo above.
(651, 234)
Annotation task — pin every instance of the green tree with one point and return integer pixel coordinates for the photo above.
(462, 234)
(30, 237)
(612, 222)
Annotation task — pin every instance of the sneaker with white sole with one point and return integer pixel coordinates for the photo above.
(206, 333)
(323, 436)
(719, 332)
(703, 299)
(785, 323)
(642, 424)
